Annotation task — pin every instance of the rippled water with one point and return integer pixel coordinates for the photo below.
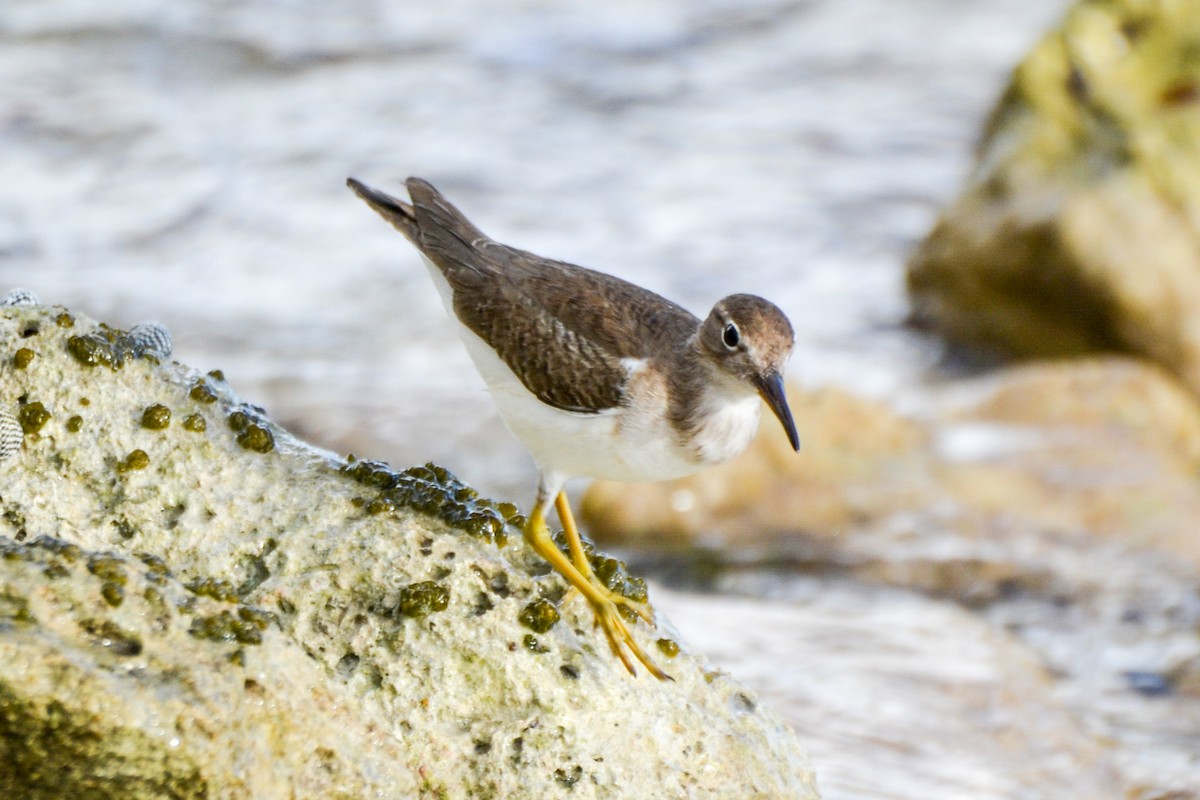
(185, 162)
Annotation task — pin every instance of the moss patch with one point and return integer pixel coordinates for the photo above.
(435, 491)
(539, 616)
(107, 347)
(134, 461)
(250, 434)
(22, 358)
(156, 417)
(32, 417)
(421, 599)
(244, 627)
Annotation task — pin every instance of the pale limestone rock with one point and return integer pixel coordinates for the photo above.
(198, 611)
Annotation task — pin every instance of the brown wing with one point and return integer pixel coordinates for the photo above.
(562, 329)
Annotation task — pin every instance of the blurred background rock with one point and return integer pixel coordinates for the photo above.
(977, 580)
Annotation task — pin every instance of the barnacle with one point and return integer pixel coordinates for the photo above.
(11, 435)
(151, 338)
(19, 297)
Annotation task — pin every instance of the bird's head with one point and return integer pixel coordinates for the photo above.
(750, 340)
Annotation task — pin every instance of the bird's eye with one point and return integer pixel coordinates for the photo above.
(731, 337)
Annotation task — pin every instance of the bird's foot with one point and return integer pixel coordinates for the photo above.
(610, 619)
(630, 610)
(607, 605)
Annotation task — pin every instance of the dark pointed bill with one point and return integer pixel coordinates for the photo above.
(770, 386)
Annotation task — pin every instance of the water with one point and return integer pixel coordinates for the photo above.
(186, 163)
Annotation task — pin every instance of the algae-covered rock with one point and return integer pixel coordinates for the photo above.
(1079, 228)
(164, 694)
(188, 612)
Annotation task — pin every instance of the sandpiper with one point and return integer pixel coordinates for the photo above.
(596, 376)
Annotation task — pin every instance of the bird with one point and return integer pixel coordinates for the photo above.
(596, 376)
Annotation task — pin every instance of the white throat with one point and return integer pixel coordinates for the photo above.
(730, 412)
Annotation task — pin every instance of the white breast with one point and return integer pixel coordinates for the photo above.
(730, 422)
(629, 444)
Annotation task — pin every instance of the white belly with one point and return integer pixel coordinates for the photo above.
(630, 444)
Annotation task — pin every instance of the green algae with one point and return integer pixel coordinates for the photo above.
(64, 320)
(32, 417)
(74, 424)
(432, 490)
(157, 570)
(216, 588)
(55, 571)
(55, 555)
(195, 423)
(251, 435)
(64, 550)
(244, 627)
(13, 517)
(532, 644)
(380, 505)
(201, 392)
(423, 598)
(22, 358)
(156, 417)
(111, 572)
(256, 438)
(134, 461)
(612, 572)
(107, 633)
(124, 528)
(61, 744)
(539, 616)
(668, 647)
(372, 474)
(569, 777)
(106, 347)
(256, 571)
(14, 610)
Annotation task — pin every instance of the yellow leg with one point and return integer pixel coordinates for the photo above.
(574, 544)
(608, 617)
(580, 559)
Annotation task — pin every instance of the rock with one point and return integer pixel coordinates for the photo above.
(195, 604)
(116, 681)
(1079, 228)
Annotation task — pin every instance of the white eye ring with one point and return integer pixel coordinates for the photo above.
(731, 336)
